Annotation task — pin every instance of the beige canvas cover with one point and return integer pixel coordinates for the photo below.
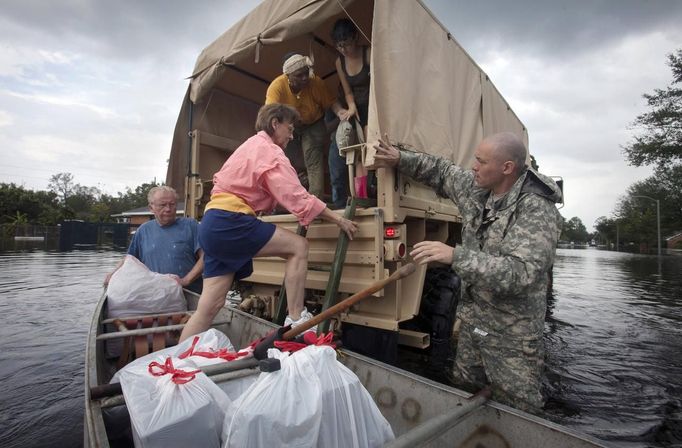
(425, 89)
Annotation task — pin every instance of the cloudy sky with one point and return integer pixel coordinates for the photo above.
(94, 87)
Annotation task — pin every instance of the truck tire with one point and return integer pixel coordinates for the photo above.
(437, 316)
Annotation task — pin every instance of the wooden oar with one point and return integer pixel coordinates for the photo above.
(350, 301)
(261, 350)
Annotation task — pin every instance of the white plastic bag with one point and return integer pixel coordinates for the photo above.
(350, 418)
(135, 290)
(313, 401)
(281, 408)
(211, 340)
(173, 405)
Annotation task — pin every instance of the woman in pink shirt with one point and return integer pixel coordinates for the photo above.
(254, 179)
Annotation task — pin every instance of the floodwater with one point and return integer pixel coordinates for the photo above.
(613, 338)
(613, 342)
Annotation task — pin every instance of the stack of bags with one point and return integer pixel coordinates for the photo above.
(312, 401)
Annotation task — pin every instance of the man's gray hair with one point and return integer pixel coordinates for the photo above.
(509, 147)
(160, 188)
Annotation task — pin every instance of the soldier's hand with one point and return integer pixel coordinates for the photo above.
(387, 156)
(433, 251)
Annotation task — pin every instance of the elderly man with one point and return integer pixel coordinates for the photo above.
(168, 244)
(300, 88)
(509, 234)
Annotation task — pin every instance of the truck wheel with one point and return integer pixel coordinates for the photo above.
(437, 315)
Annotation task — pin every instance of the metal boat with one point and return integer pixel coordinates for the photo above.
(421, 412)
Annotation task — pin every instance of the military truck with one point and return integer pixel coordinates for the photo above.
(426, 93)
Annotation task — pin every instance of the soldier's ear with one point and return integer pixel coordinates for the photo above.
(508, 167)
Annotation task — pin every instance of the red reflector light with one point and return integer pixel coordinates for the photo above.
(390, 232)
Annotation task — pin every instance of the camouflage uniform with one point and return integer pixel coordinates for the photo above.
(507, 249)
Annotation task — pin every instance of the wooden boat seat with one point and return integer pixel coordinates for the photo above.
(145, 342)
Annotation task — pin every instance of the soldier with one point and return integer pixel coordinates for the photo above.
(509, 236)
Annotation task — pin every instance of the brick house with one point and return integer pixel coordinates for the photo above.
(140, 215)
(674, 242)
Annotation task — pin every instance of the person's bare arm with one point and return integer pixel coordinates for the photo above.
(195, 272)
(348, 226)
(110, 274)
(348, 94)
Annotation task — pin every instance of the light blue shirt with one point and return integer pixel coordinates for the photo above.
(169, 249)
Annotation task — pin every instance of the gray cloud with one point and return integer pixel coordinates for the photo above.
(555, 29)
(94, 87)
(120, 30)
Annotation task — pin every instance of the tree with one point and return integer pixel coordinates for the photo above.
(82, 200)
(132, 198)
(62, 185)
(574, 230)
(638, 215)
(35, 207)
(605, 230)
(661, 140)
(66, 200)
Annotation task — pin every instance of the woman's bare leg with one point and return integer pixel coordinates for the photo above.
(211, 301)
(293, 248)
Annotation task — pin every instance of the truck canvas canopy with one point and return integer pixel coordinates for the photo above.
(425, 91)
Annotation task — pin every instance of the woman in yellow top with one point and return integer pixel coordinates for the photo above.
(298, 86)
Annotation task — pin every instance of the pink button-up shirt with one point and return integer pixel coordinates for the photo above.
(261, 174)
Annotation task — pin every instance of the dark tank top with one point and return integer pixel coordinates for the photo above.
(359, 85)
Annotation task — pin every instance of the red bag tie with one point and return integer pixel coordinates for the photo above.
(310, 338)
(223, 353)
(178, 376)
(190, 350)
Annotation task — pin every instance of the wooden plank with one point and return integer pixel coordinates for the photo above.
(110, 321)
(147, 331)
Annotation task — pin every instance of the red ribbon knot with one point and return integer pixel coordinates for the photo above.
(178, 376)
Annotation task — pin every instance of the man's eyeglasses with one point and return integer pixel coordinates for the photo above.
(165, 205)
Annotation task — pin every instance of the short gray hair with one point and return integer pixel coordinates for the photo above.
(280, 112)
(509, 147)
(160, 188)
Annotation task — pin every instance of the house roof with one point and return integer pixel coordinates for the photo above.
(675, 236)
(144, 211)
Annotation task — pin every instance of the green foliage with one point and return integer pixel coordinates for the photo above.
(66, 200)
(605, 230)
(660, 142)
(574, 231)
(38, 207)
(638, 214)
(61, 184)
(134, 198)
